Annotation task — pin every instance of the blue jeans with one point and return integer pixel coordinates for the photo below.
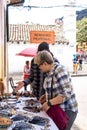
(72, 116)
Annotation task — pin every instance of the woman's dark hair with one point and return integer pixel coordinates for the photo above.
(27, 62)
(43, 46)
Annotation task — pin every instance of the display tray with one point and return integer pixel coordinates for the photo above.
(21, 125)
(5, 122)
(39, 121)
(32, 103)
(12, 100)
(5, 113)
(32, 109)
(34, 120)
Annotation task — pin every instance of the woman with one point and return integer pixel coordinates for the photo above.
(26, 73)
(62, 91)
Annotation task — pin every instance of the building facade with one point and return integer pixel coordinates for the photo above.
(21, 32)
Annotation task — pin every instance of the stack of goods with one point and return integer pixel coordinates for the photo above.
(32, 105)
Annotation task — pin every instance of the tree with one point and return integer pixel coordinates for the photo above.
(81, 34)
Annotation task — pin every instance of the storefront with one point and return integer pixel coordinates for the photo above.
(3, 39)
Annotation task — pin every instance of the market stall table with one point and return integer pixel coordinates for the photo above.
(31, 115)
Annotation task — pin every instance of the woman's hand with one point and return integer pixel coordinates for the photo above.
(19, 86)
(45, 106)
(42, 99)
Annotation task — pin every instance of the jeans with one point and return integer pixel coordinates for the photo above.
(72, 116)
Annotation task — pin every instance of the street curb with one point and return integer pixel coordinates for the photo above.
(78, 75)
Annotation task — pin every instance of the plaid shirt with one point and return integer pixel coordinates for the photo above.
(36, 78)
(61, 86)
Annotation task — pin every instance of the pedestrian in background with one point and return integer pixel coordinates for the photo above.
(80, 62)
(26, 72)
(75, 64)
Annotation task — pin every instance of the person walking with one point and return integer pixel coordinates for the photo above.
(62, 89)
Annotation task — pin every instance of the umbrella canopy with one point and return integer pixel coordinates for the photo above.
(28, 52)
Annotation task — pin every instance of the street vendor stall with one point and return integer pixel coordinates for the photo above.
(24, 113)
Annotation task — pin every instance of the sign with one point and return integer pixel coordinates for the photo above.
(42, 36)
(17, 2)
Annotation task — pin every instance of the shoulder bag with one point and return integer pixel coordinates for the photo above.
(57, 114)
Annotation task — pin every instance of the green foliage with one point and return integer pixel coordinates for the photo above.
(81, 34)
